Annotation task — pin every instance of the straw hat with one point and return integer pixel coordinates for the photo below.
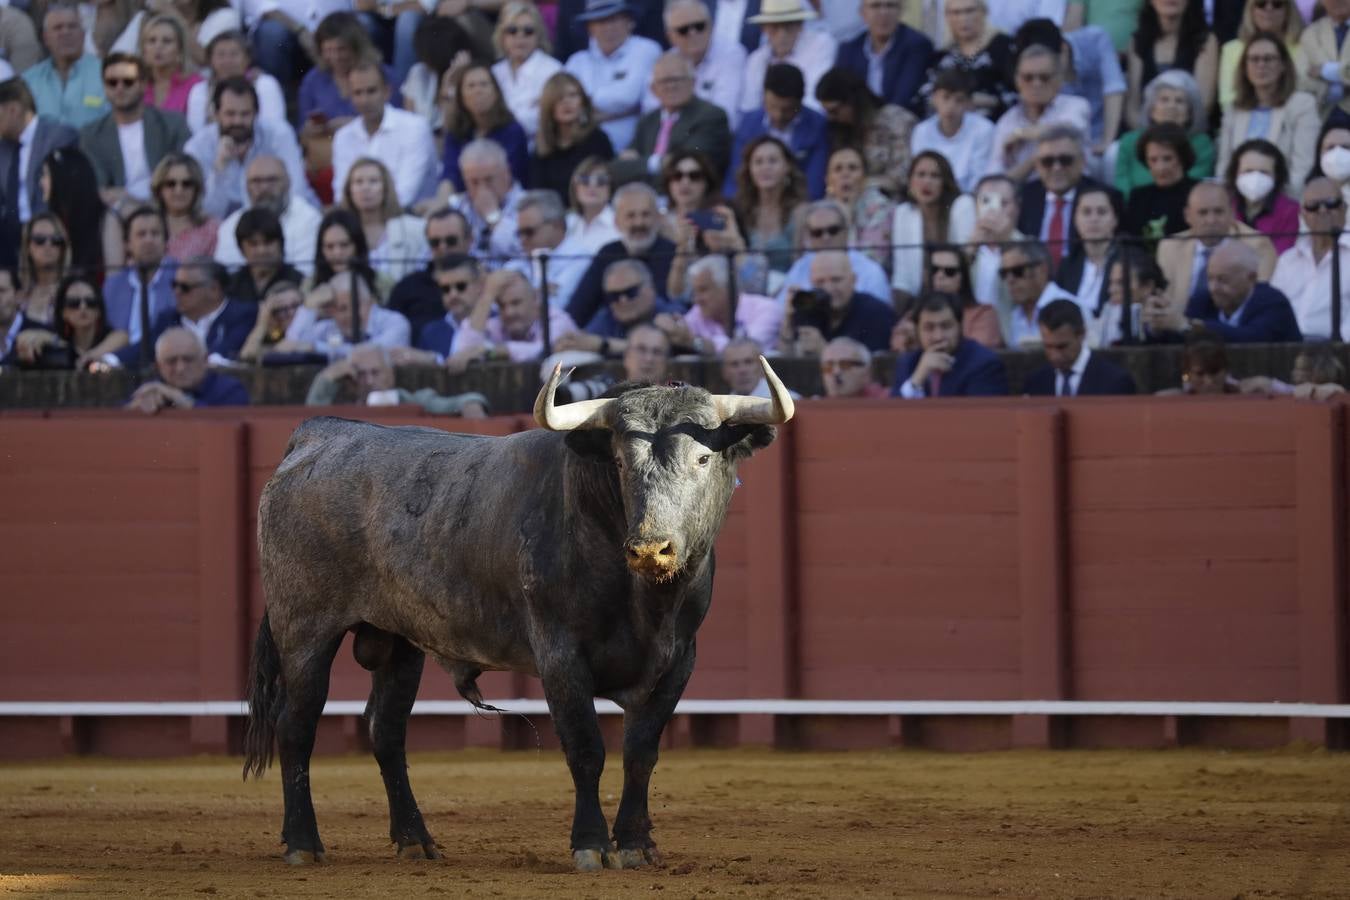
(779, 12)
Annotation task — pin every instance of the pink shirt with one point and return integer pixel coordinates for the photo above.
(757, 318)
(177, 97)
(559, 323)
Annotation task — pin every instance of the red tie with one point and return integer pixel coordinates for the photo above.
(934, 384)
(1055, 239)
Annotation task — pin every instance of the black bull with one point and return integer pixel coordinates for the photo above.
(583, 558)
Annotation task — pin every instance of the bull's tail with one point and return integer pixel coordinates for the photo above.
(266, 693)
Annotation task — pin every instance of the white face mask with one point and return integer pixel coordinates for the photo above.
(1336, 163)
(1255, 186)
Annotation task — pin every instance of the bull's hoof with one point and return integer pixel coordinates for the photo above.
(588, 860)
(419, 851)
(304, 858)
(630, 859)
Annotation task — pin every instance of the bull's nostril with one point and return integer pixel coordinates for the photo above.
(667, 550)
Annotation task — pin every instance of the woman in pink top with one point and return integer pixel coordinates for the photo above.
(163, 47)
(178, 187)
(707, 327)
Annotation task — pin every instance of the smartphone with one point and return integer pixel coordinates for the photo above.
(706, 220)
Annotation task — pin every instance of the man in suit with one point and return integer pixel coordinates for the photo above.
(200, 306)
(1048, 204)
(892, 57)
(1073, 370)
(184, 380)
(25, 140)
(123, 168)
(1184, 257)
(718, 65)
(1326, 58)
(1236, 306)
(783, 116)
(637, 218)
(947, 365)
(683, 122)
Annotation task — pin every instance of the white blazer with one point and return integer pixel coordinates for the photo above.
(404, 248)
(907, 239)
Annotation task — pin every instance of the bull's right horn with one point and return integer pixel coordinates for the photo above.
(571, 416)
(737, 410)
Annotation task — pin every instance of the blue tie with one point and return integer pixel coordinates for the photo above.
(1340, 34)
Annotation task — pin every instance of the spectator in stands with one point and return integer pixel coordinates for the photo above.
(1096, 219)
(846, 371)
(935, 211)
(440, 43)
(417, 296)
(955, 131)
(489, 200)
(391, 28)
(259, 236)
(770, 189)
(19, 45)
(1324, 74)
(1258, 176)
(1048, 209)
(1303, 272)
(997, 211)
(480, 113)
(1171, 98)
(1267, 106)
(541, 229)
(523, 64)
(786, 41)
(1204, 368)
(1158, 208)
(825, 227)
(1072, 369)
(590, 217)
(708, 325)
(1091, 71)
(979, 50)
(1172, 34)
(205, 20)
(855, 117)
(743, 373)
(719, 65)
(1333, 154)
(184, 380)
(834, 308)
(870, 212)
(609, 68)
(458, 281)
(1317, 375)
(946, 364)
(128, 144)
(702, 224)
(689, 184)
(340, 247)
(947, 271)
(177, 187)
(514, 333)
(11, 314)
(381, 131)
(1041, 104)
(44, 259)
(168, 76)
(269, 187)
(890, 55)
(370, 368)
(228, 56)
(568, 134)
(324, 102)
(646, 355)
(1026, 272)
(70, 190)
(785, 118)
(25, 141)
(637, 218)
(79, 335)
(200, 306)
(67, 86)
(1277, 17)
(1148, 287)
(225, 148)
(144, 235)
(631, 299)
(1185, 258)
(283, 35)
(396, 244)
(1235, 306)
(325, 325)
(682, 123)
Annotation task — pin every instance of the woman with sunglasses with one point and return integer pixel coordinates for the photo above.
(568, 132)
(936, 212)
(177, 186)
(44, 259)
(770, 190)
(870, 212)
(524, 65)
(697, 221)
(947, 271)
(590, 218)
(80, 334)
(1279, 17)
(1096, 218)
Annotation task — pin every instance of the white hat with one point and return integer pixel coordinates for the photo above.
(779, 12)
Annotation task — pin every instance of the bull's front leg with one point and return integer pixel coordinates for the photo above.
(571, 702)
(642, 727)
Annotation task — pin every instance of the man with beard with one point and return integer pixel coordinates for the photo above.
(269, 187)
(225, 148)
(637, 218)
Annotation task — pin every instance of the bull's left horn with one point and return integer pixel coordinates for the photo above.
(736, 410)
(571, 416)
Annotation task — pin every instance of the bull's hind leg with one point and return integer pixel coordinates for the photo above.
(393, 690)
(306, 678)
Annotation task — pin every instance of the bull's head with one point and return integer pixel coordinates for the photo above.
(675, 451)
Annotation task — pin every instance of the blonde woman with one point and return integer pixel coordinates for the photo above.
(396, 241)
(1279, 17)
(164, 50)
(1268, 106)
(568, 133)
(524, 63)
(178, 186)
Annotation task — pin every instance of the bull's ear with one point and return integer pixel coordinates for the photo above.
(743, 440)
(591, 443)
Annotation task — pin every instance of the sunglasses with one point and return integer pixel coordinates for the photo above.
(121, 82)
(436, 243)
(526, 30)
(456, 287)
(628, 293)
(1016, 271)
(949, 271)
(89, 302)
(1326, 205)
(286, 310)
(1036, 77)
(694, 175)
(599, 179)
(1269, 4)
(42, 240)
(1062, 160)
(827, 231)
(829, 367)
(174, 184)
(183, 287)
(692, 28)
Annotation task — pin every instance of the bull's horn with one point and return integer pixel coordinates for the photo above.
(736, 410)
(569, 417)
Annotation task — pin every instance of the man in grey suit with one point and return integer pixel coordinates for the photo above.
(25, 140)
(683, 122)
(127, 143)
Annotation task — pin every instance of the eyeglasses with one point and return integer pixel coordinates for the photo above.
(598, 179)
(83, 302)
(948, 271)
(671, 81)
(1264, 59)
(1326, 205)
(1269, 4)
(121, 82)
(526, 30)
(1016, 271)
(450, 242)
(694, 175)
(628, 293)
(1062, 160)
(456, 287)
(174, 184)
(42, 240)
(827, 231)
(692, 28)
(1036, 77)
(285, 310)
(183, 287)
(526, 232)
(829, 367)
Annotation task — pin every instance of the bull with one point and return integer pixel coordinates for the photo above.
(581, 554)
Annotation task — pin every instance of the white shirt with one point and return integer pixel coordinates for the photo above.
(402, 248)
(1024, 327)
(1090, 288)
(728, 21)
(1069, 387)
(135, 166)
(271, 102)
(225, 191)
(813, 53)
(202, 327)
(1063, 110)
(6, 70)
(616, 83)
(402, 142)
(383, 327)
(521, 88)
(1307, 284)
(25, 157)
(717, 80)
(968, 150)
(299, 229)
(567, 262)
(593, 234)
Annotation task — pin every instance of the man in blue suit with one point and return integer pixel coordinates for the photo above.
(948, 365)
(1073, 369)
(184, 380)
(784, 117)
(892, 57)
(200, 306)
(1236, 306)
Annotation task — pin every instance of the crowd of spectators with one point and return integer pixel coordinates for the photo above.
(206, 184)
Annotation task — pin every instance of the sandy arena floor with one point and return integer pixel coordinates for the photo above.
(730, 823)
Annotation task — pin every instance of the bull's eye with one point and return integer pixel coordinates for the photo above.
(704, 459)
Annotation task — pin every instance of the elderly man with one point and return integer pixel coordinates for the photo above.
(718, 65)
(1072, 369)
(1303, 272)
(631, 299)
(741, 369)
(30, 137)
(612, 65)
(846, 371)
(1092, 72)
(646, 356)
(514, 333)
(324, 323)
(417, 296)
(802, 130)
(200, 305)
(787, 41)
(144, 233)
(384, 132)
(1026, 275)
(225, 148)
(1041, 104)
(682, 122)
(834, 308)
(704, 329)
(638, 220)
(184, 380)
(1048, 205)
(947, 364)
(489, 201)
(1184, 258)
(541, 229)
(892, 57)
(1237, 307)
(68, 85)
(268, 186)
(825, 227)
(370, 368)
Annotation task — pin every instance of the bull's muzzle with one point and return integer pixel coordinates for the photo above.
(653, 558)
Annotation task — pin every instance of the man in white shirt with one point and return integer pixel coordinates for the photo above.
(489, 201)
(962, 136)
(1303, 272)
(269, 185)
(541, 229)
(400, 139)
(1026, 272)
(614, 67)
(787, 41)
(719, 65)
(514, 333)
